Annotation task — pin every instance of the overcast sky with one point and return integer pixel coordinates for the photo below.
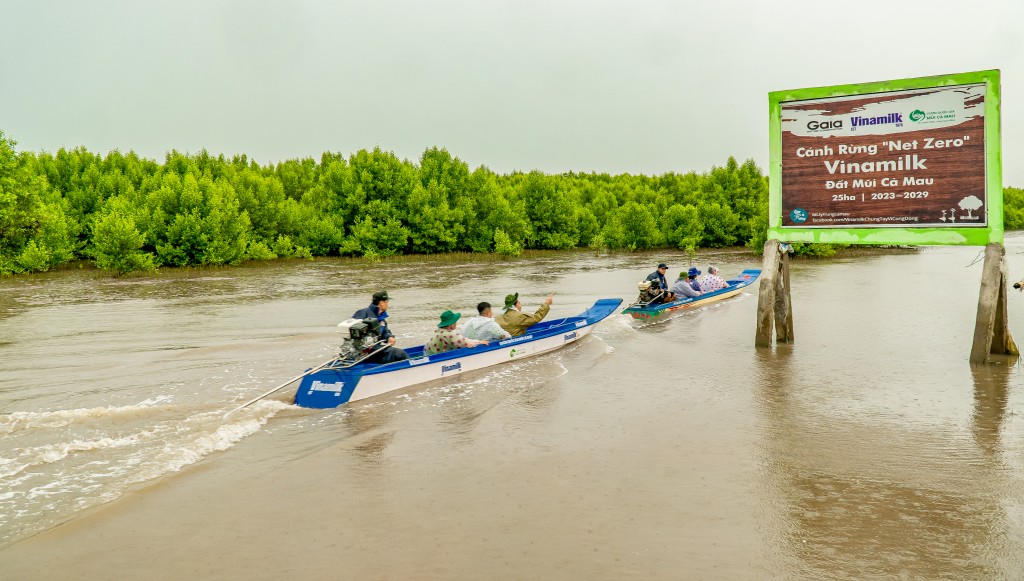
(639, 87)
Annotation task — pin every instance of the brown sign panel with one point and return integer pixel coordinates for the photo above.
(904, 158)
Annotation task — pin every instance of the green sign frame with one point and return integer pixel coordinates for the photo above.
(925, 235)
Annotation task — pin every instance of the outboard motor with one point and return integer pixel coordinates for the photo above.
(649, 290)
(358, 337)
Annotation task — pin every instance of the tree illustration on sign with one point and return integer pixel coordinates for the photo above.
(970, 203)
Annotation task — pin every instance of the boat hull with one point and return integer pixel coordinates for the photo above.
(736, 285)
(330, 388)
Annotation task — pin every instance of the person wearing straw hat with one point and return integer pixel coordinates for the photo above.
(447, 338)
(515, 321)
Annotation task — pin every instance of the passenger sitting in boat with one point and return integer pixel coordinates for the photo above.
(515, 321)
(378, 310)
(658, 276)
(711, 282)
(483, 327)
(682, 286)
(446, 336)
(692, 275)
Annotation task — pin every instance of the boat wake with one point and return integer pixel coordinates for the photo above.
(619, 327)
(19, 421)
(59, 462)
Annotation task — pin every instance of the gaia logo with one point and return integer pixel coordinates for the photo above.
(825, 125)
(512, 353)
(916, 115)
(798, 215)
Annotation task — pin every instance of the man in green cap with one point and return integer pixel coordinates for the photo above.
(515, 321)
(447, 338)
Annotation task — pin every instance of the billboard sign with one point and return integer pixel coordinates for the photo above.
(912, 161)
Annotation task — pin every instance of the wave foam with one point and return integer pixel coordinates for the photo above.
(62, 482)
(18, 421)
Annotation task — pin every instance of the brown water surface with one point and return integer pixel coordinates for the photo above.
(670, 449)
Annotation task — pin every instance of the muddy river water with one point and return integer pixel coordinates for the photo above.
(869, 449)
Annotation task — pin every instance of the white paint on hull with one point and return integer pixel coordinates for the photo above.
(374, 385)
(708, 300)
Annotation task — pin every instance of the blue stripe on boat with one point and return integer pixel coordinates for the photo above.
(329, 388)
(744, 279)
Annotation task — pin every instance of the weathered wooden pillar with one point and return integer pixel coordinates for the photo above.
(774, 302)
(783, 301)
(766, 294)
(991, 327)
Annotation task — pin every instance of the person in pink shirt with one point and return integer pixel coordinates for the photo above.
(446, 336)
(711, 282)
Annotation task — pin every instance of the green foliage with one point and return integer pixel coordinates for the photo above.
(434, 226)
(258, 250)
(283, 247)
(36, 232)
(817, 250)
(720, 223)
(379, 233)
(116, 241)
(497, 207)
(759, 227)
(587, 225)
(323, 236)
(196, 221)
(551, 212)
(632, 227)
(504, 245)
(34, 257)
(129, 214)
(1013, 209)
(682, 227)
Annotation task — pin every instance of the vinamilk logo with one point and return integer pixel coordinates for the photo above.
(916, 115)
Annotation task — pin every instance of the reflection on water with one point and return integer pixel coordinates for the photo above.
(876, 497)
(991, 391)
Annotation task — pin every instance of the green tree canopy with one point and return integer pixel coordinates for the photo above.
(129, 213)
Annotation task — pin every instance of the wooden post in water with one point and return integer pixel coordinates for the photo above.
(783, 300)
(991, 328)
(774, 302)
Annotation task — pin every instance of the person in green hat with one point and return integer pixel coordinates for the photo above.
(515, 321)
(447, 338)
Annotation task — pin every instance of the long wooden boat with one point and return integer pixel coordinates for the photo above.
(745, 278)
(330, 387)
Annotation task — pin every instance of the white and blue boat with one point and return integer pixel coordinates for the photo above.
(649, 311)
(338, 382)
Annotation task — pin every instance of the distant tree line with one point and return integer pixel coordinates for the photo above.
(128, 213)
